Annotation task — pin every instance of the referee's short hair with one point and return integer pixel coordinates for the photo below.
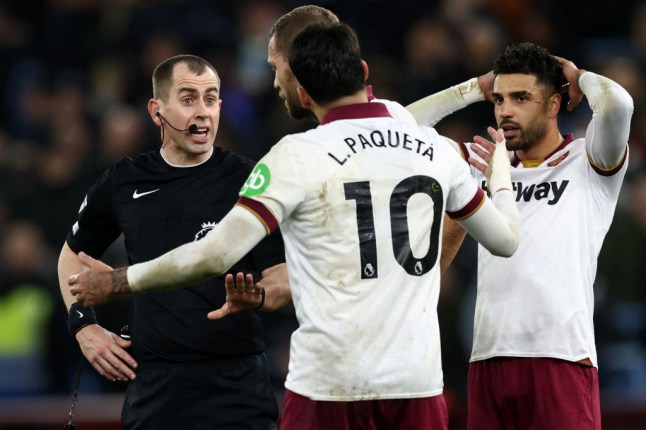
(163, 73)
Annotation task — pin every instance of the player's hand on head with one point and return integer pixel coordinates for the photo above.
(486, 84)
(571, 74)
(242, 295)
(98, 284)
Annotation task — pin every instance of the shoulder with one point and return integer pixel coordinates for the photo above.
(224, 156)
(143, 160)
(397, 111)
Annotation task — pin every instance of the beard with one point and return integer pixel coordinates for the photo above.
(528, 136)
(295, 109)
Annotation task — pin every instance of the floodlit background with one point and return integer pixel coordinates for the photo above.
(74, 83)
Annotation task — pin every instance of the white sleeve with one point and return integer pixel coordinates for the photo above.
(230, 240)
(430, 110)
(606, 137)
(496, 225)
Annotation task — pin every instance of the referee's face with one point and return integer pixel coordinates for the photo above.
(193, 99)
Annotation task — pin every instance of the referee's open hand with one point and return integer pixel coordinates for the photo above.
(242, 294)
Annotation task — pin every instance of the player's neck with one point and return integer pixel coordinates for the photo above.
(543, 148)
(321, 110)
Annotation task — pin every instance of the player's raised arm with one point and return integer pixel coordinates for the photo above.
(432, 109)
(232, 238)
(606, 138)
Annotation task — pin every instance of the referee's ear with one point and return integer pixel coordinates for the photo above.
(154, 111)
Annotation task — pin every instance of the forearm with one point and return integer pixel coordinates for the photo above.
(68, 264)
(496, 224)
(430, 110)
(79, 316)
(452, 237)
(227, 243)
(612, 109)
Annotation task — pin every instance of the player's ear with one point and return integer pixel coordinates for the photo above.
(366, 70)
(303, 97)
(554, 105)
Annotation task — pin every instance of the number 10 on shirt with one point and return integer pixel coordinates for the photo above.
(399, 224)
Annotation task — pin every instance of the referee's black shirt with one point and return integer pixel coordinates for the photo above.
(158, 207)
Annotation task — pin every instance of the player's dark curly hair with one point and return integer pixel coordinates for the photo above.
(527, 58)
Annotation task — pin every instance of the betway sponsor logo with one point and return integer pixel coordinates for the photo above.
(552, 191)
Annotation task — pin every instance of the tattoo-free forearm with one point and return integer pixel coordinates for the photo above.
(231, 239)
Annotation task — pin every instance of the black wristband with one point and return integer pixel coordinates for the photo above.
(262, 301)
(79, 317)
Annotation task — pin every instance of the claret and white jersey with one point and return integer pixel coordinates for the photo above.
(539, 302)
(360, 201)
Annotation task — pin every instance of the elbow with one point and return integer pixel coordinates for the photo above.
(506, 248)
(508, 243)
(616, 106)
(622, 108)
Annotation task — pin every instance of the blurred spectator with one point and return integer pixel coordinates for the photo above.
(26, 304)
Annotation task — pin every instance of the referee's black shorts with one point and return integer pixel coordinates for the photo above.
(233, 393)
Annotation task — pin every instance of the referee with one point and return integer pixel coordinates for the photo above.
(184, 370)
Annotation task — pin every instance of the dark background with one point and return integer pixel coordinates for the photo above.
(74, 83)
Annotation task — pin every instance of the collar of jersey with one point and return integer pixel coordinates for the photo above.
(186, 166)
(357, 111)
(567, 139)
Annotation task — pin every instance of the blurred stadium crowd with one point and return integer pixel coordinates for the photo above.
(75, 80)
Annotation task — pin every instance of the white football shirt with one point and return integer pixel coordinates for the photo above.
(360, 202)
(539, 302)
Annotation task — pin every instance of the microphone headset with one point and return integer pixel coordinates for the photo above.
(191, 128)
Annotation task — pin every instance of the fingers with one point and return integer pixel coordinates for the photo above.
(574, 100)
(561, 60)
(478, 165)
(86, 259)
(243, 284)
(483, 143)
(496, 134)
(219, 313)
(242, 294)
(105, 351)
(73, 280)
(116, 364)
(229, 284)
(484, 149)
